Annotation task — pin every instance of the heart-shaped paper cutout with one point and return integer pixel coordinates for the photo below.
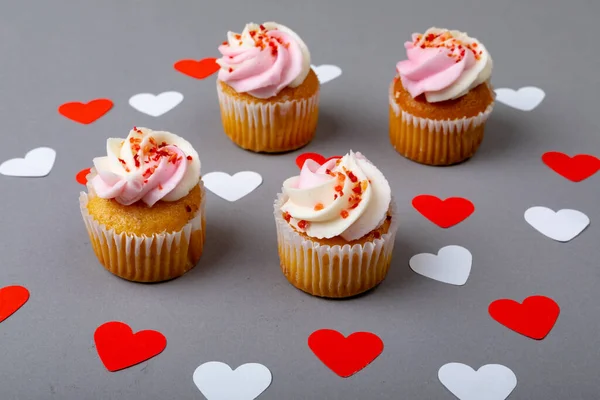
(490, 382)
(36, 163)
(451, 265)
(576, 168)
(217, 381)
(85, 113)
(443, 213)
(11, 299)
(562, 226)
(525, 99)
(81, 176)
(534, 318)
(327, 72)
(155, 105)
(118, 347)
(232, 188)
(345, 356)
(198, 69)
(319, 159)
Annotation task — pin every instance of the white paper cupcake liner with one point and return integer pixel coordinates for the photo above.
(144, 258)
(333, 271)
(271, 126)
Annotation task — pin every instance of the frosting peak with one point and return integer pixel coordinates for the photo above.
(443, 65)
(347, 197)
(263, 60)
(148, 166)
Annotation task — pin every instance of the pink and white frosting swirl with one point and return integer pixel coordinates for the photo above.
(148, 166)
(263, 60)
(347, 197)
(444, 65)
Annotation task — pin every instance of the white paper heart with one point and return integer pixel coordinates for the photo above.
(327, 72)
(36, 163)
(155, 105)
(562, 226)
(452, 265)
(217, 381)
(525, 99)
(232, 188)
(490, 382)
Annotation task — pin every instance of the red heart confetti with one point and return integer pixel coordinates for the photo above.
(345, 356)
(85, 113)
(443, 213)
(575, 169)
(11, 299)
(197, 69)
(534, 318)
(119, 348)
(81, 176)
(301, 159)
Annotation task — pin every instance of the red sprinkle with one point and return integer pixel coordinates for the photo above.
(189, 158)
(344, 214)
(287, 217)
(319, 206)
(352, 177)
(302, 224)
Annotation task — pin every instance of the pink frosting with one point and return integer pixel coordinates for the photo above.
(313, 174)
(151, 172)
(264, 68)
(431, 69)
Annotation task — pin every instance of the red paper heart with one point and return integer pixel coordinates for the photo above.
(444, 213)
(301, 159)
(81, 176)
(534, 318)
(576, 168)
(345, 356)
(11, 299)
(85, 113)
(119, 348)
(197, 69)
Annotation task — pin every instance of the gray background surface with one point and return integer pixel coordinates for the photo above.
(236, 306)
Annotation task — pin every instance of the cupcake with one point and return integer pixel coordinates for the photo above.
(441, 97)
(144, 210)
(268, 93)
(336, 225)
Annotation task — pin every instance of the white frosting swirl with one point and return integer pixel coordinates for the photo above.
(264, 59)
(348, 197)
(149, 166)
(444, 64)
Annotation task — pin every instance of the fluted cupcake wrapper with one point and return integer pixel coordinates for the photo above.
(435, 142)
(155, 258)
(333, 271)
(269, 127)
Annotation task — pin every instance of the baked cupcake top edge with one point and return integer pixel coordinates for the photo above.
(443, 64)
(146, 166)
(263, 60)
(347, 197)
